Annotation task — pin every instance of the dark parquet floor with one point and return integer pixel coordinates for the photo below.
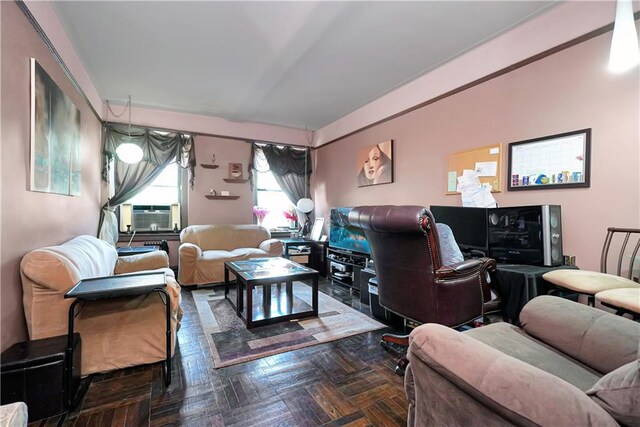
(349, 382)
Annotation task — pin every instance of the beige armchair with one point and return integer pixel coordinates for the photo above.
(116, 333)
(205, 248)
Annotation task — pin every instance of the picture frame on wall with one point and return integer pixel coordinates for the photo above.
(375, 164)
(55, 137)
(551, 162)
(235, 170)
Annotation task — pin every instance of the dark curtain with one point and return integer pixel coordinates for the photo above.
(291, 168)
(159, 150)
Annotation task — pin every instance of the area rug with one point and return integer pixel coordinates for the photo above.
(231, 343)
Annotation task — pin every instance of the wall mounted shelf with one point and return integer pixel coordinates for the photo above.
(208, 166)
(221, 197)
(235, 180)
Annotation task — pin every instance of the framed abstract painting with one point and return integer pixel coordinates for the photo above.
(55, 137)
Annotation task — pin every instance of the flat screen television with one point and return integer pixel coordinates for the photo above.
(469, 225)
(342, 235)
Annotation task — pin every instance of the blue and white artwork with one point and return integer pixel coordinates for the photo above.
(55, 137)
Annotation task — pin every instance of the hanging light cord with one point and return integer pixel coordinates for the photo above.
(127, 106)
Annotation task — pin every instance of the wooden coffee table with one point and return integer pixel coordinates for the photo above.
(266, 272)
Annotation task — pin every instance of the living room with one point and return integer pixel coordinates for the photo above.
(545, 75)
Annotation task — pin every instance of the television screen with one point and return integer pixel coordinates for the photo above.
(469, 225)
(342, 235)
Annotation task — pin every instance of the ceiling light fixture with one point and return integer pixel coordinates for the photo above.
(305, 205)
(624, 53)
(128, 151)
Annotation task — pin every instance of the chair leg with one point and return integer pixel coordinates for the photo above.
(401, 340)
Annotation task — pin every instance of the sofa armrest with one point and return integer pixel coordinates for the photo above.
(188, 255)
(148, 261)
(272, 246)
(517, 391)
(467, 267)
(596, 338)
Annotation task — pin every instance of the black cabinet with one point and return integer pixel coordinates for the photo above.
(344, 267)
(308, 252)
(34, 372)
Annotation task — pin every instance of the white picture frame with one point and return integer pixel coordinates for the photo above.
(316, 231)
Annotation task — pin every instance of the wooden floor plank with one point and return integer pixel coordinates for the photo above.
(348, 382)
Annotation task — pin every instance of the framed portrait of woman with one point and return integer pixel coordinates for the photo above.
(375, 164)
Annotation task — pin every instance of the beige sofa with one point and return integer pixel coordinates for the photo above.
(569, 365)
(115, 333)
(205, 248)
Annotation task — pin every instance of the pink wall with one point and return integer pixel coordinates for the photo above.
(567, 91)
(205, 211)
(31, 220)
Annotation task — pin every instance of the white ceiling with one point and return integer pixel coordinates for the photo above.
(296, 64)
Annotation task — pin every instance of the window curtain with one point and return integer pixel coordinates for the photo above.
(159, 150)
(288, 167)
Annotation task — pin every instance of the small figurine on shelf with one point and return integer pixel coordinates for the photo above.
(213, 159)
(213, 192)
(175, 228)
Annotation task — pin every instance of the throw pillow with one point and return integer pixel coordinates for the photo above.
(449, 250)
(618, 393)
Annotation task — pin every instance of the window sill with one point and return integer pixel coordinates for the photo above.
(146, 236)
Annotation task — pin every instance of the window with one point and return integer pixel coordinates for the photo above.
(269, 195)
(157, 207)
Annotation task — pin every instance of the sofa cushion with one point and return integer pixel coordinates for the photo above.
(246, 253)
(510, 340)
(598, 339)
(225, 237)
(618, 393)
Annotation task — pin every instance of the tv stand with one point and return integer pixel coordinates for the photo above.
(344, 267)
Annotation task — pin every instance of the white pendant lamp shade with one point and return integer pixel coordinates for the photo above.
(129, 152)
(305, 205)
(624, 53)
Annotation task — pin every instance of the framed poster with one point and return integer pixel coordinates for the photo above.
(555, 161)
(375, 164)
(55, 137)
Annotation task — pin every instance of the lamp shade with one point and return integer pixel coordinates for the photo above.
(624, 53)
(305, 205)
(129, 152)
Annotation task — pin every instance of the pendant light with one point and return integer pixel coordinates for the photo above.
(624, 53)
(305, 205)
(127, 151)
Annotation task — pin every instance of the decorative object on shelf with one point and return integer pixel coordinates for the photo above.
(213, 159)
(213, 192)
(260, 213)
(375, 164)
(624, 53)
(212, 165)
(225, 193)
(292, 216)
(235, 170)
(55, 137)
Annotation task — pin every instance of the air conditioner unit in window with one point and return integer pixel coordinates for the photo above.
(150, 217)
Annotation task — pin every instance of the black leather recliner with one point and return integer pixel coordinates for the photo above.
(412, 280)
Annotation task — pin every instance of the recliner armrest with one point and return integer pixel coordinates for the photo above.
(467, 267)
(147, 261)
(517, 391)
(272, 246)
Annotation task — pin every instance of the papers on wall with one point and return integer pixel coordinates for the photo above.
(475, 194)
(486, 168)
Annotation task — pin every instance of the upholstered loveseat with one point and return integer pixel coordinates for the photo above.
(568, 365)
(205, 248)
(116, 333)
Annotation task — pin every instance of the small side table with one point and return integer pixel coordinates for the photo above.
(517, 284)
(136, 250)
(316, 253)
(113, 287)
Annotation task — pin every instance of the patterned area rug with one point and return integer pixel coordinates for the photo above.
(231, 343)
